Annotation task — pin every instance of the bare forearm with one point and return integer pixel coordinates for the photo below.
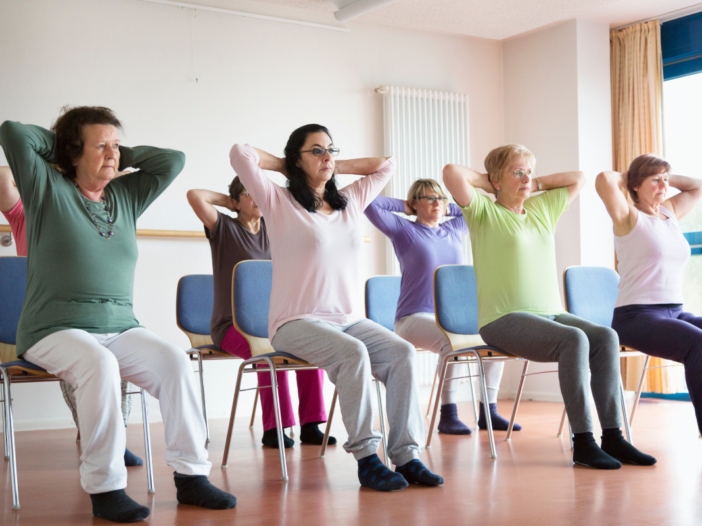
(366, 166)
(684, 183)
(472, 177)
(270, 162)
(559, 180)
(9, 195)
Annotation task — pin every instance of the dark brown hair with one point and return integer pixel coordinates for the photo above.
(644, 166)
(236, 188)
(69, 133)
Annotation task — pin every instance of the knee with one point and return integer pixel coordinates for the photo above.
(608, 340)
(101, 362)
(575, 343)
(404, 353)
(172, 360)
(355, 355)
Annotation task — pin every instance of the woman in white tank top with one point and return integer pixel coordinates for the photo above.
(652, 254)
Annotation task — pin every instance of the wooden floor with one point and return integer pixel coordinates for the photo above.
(533, 482)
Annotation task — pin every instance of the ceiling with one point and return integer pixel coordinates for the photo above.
(494, 19)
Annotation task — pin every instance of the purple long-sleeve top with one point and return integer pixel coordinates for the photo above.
(420, 249)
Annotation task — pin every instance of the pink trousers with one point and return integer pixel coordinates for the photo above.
(309, 389)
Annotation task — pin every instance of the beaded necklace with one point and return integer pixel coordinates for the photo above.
(108, 234)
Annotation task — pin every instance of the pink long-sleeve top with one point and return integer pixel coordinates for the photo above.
(315, 256)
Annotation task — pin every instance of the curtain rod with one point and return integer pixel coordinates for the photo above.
(666, 17)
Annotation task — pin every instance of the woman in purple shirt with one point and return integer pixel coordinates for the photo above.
(422, 246)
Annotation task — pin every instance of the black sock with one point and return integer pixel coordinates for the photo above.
(197, 490)
(310, 434)
(587, 453)
(417, 473)
(373, 474)
(130, 459)
(498, 422)
(449, 422)
(270, 439)
(116, 506)
(614, 444)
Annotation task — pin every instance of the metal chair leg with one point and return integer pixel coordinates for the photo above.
(278, 420)
(441, 366)
(627, 427)
(433, 386)
(233, 414)
(381, 414)
(5, 440)
(517, 399)
(78, 436)
(323, 447)
(202, 395)
(10, 431)
(638, 390)
(147, 443)
(570, 435)
(253, 413)
(563, 419)
(488, 420)
(473, 394)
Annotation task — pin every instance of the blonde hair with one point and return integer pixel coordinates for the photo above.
(499, 159)
(419, 188)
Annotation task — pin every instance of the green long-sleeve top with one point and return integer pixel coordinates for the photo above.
(76, 278)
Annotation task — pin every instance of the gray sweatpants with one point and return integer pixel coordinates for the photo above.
(579, 347)
(350, 355)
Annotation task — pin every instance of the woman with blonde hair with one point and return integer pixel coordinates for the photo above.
(653, 253)
(421, 246)
(519, 302)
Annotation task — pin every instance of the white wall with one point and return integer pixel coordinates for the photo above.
(557, 103)
(256, 82)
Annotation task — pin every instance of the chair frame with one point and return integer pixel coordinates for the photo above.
(263, 353)
(625, 352)
(13, 372)
(19, 374)
(478, 353)
(202, 348)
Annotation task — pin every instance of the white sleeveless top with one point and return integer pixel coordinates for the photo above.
(652, 259)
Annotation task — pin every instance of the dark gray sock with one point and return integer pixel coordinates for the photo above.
(311, 434)
(270, 439)
(373, 474)
(130, 459)
(614, 444)
(197, 491)
(417, 473)
(449, 422)
(117, 506)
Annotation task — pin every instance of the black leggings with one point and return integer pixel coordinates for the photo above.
(665, 331)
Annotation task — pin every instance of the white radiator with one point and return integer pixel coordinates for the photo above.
(424, 130)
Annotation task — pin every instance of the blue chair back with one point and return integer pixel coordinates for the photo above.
(456, 298)
(382, 295)
(13, 283)
(252, 284)
(591, 293)
(194, 303)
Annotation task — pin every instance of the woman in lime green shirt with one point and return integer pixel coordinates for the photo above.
(77, 320)
(519, 303)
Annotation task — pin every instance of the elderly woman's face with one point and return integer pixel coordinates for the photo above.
(318, 169)
(100, 157)
(516, 179)
(654, 189)
(430, 206)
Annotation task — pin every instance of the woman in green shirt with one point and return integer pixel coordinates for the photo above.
(519, 303)
(77, 320)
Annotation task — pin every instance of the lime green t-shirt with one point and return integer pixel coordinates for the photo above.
(515, 255)
(76, 278)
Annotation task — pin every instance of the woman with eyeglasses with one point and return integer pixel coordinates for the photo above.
(239, 239)
(653, 254)
(421, 246)
(519, 303)
(315, 234)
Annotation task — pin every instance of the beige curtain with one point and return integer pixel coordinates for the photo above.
(637, 128)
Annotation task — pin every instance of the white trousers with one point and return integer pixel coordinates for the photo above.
(420, 330)
(93, 364)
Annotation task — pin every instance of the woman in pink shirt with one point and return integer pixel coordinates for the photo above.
(315, 237)
(652, 254)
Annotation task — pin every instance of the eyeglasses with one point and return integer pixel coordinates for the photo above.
(519, 174)
(431, 199)
(244, 194)
(319, 152)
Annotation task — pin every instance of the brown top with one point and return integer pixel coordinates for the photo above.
(230, 242)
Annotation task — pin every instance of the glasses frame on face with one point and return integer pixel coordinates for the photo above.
(519, 174)
(319, 152)
(431, 199)
(243, 194)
